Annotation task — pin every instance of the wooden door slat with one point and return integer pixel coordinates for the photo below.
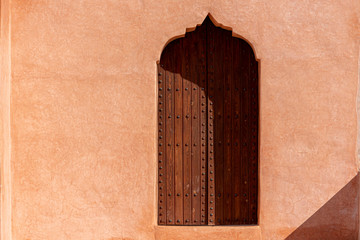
(161, 152)
(185, 70)
(169, 139)
(243, 68)
(211, 165)
(237, 166)
(228, 146)
(253, 175)
(220, 53)
(179, 202)
(195, 131)
(203, 115)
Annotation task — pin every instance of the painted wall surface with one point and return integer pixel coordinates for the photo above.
(5, 146)
(83, 109)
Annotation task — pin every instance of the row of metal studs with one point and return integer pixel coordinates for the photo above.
(161, 158)
(211, 175)
(203, 133)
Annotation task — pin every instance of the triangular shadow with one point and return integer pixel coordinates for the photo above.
(337, 219)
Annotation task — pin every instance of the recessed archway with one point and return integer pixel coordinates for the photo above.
(208, 129)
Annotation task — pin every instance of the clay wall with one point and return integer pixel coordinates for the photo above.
(79, 107)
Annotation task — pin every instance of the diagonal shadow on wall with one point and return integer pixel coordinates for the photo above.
(336, 219)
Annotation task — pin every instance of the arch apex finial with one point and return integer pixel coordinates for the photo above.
(208, 19)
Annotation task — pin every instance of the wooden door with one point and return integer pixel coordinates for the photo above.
(208, 130)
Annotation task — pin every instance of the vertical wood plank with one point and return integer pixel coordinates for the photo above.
(161, 151)
(186, 128)
(203, 126)
(253, 175)
(247, 149)
(211, 168)
(237, 114)
(179, 203)
(228, 141)
(195, 131)
(245, 140)
(220, 53)
(169, 96)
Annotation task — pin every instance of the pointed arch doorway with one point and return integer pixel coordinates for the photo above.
(208, 130)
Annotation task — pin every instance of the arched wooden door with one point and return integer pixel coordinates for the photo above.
(208, 130)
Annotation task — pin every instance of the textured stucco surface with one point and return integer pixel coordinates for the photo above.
(83, 114)
(5, 146)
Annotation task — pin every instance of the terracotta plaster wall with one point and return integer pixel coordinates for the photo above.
(83, 116)
(5, 148)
